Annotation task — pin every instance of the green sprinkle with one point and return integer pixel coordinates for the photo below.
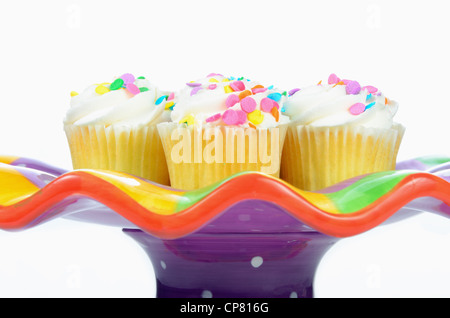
(141, 77)
(118, 83)
(143, 89)
(284, 93)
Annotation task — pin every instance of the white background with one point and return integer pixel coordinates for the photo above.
(49, 48)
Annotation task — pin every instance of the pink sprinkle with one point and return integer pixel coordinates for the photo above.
(212, 86)
(231, 100)
(230, 117)
(370, 89)
(275, 104)
(333, 79)
(237, 86)
(133, 89)
(171, 96)
(195, 90)
(248, 104)
(242, 117)
(128, 78)
(267, 104)
(353, 88)
(193, 84)
(213, 118)
(357, 109)
(259, 90)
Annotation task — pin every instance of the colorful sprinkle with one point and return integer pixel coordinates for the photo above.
(171, 96)
(195, 90)
(230, 117)
(189, 120)
(255, 117)
(357, 109)
(386, 101)
(370, 89)
(293, 91)
(128, 78)
(228, 89)
(118, 83)
(369, 96)
(213, 118)
(275, 114)
(231, 100)
(160, 99)
(275, 96)
(333, 79)
(370, 105)
(320, 83)
(267, 104)
(353, 88)
(143, 89)
(251, 125)
(242, 117)
(169, 105)
(212, 86)
(238, 86)
(73, 94)
(141, 77)
(100, 89)
(248, 104)
(244, 94)
(259, 90)
(339, 83)
(192, 84)
(133, 89)
(213, 80)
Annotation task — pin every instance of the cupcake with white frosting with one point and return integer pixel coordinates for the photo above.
(339, 130)
(222, 126)
(112, 126)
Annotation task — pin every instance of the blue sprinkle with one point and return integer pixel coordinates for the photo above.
(370, 105)
(368, 97)
(160, 100)
(231, 78)
(283, 110)
(270, 87)
(275, 96)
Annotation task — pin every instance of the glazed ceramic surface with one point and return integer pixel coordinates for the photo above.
(262, 235)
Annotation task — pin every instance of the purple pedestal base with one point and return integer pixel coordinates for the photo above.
(253, 250)
(235, 265)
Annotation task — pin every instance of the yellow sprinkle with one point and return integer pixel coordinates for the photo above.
(189, 119)
(73, 93)
(213, 80)
(169, 104)
(255, 117)
(225, 80)
(228, 89)
(100, 89)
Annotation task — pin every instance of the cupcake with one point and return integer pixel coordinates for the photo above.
(338, 130)
(222, 126)
(112, 126)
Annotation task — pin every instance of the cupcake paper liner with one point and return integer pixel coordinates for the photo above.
(318, 157)
(137, 151)
(201, 156)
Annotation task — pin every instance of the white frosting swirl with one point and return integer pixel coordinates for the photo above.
(207, 97)
(117, 107)
(325, 105)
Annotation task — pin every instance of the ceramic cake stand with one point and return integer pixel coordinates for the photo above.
(248, 236)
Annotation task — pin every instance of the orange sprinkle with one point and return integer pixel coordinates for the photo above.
(338, 83)
(320, 83)
(275, 113)
(386, 101)
(258, 86)
(244, 94)
(252, 126)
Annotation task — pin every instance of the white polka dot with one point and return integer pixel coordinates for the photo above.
(293, 295)
(206, 294)
(244, 217)
(257, 261)
(163, 264)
